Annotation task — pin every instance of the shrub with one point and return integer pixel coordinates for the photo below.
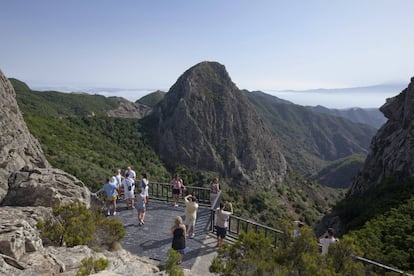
(171, 266)
(89, 265)
(72, 225)
(76, 225)
(108, 230)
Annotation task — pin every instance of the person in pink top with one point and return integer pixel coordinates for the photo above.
(177, 186)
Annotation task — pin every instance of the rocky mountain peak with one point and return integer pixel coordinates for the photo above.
(392, 147)
(206, 122)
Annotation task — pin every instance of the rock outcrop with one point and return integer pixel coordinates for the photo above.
(45, 187)
(205, 122)
(67, 261)
(127, 109)
(18, 147)
(392, 148)
(18, 232)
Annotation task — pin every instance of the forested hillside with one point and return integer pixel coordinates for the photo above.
(312, 141)
(368, 116)
(90, 147)
(55, 104)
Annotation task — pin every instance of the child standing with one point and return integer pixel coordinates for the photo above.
(140, 206)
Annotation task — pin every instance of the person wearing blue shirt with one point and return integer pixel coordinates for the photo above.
(111, 191)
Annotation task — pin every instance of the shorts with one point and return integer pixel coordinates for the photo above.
(221, 232)
(140, 209)
(181, 251)
(129, 195)
(189, 221)
(145, 191)
(176, 191)
(111, 198)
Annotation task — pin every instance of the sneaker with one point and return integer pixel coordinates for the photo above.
(114, 213)
(142, 222)
(108, 213)
(192, 235)
(175, 205)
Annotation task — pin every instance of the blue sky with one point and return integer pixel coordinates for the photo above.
(265, 45)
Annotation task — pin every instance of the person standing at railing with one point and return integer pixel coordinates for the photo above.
(140, 206)
(222, 221)
(177, 187)
(326, 239)
(144, 186)
(214, 189)
(110, 190)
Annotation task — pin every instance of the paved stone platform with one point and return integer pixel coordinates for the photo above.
(153, 239)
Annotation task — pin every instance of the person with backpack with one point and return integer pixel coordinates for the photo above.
(129, 191)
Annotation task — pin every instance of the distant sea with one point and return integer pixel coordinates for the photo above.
(364, 97)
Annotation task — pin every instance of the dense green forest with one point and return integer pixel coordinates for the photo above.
(381, 221)
(389, 237)
(92, 147)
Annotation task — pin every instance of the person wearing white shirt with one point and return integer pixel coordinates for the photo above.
(129, 191)
(326, 239)
(131, 172)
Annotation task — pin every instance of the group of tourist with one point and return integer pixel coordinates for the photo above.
(180, 230)
(126, 183)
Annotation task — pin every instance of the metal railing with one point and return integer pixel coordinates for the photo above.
(163, 192)
(381, 266)
(236, 224)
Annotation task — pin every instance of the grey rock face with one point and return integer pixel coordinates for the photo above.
(18, 232)
(206, 122)
(45, 187)
(68, 260)
(392, 148)
(18, 147)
